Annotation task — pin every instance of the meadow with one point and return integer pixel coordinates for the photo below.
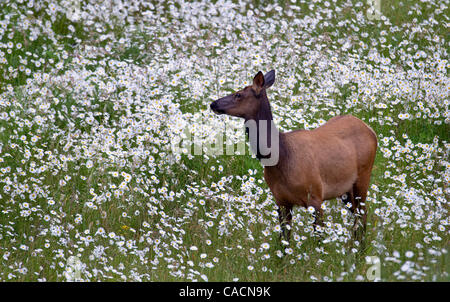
(94, 93)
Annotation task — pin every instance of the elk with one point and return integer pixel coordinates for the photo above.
(333, 160)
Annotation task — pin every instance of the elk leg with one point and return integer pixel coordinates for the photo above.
(352, 203)
(360, 193)
(285, 218)
(349, 199)
(318, 213)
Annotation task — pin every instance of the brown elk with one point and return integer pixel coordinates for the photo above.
(333, 160)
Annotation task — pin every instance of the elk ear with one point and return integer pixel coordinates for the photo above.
(269, 78)
(258, 82)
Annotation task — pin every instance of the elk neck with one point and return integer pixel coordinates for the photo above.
(265, 114)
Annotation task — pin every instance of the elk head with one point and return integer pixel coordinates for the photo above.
(246, 103)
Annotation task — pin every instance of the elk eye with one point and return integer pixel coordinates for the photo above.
(237, 95)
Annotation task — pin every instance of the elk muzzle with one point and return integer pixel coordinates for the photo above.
(222, 105)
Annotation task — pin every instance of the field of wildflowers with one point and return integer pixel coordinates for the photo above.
(94, 93)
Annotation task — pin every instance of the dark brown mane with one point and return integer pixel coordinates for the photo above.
(265, 111)
(265, 114)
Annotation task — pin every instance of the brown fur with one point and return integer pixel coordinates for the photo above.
(327, 162)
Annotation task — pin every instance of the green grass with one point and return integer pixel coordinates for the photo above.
(344, 261)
